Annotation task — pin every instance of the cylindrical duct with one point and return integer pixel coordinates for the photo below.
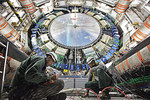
(143, 31)
(7, 30)
(28, 5)
(10, 33)
(122, 6)
(141, 57)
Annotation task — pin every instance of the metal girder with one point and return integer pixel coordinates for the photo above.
(13, 52)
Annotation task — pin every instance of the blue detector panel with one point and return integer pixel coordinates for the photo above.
(61, 66)
(37, 51)
(112, 51)
(77, 67)
(66, 66)
(35, 47)
(107, 57)
(83, 67)
(115, 48)
(72, 68)
(40, 53)
(109, 54)
(103, 59)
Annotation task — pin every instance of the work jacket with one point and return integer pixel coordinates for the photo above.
(94, 71)
(100, 73)
(30, 72)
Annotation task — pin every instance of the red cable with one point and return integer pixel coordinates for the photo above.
(101, 92)
(82, 89)
(114, 88)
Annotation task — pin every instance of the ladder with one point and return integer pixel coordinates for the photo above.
(4, 67)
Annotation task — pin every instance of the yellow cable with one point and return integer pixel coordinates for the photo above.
(93, 76)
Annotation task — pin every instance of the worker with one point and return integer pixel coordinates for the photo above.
(30, 81)
(98, 79)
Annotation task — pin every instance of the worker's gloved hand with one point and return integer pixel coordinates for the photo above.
(86, 72)
(49, 82)
(54, 77)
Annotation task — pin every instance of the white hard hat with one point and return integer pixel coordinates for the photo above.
(89, 60)
(53, 55)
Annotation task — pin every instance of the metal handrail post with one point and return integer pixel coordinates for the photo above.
(4, 69)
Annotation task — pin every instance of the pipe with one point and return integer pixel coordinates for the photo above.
(7, 30)
(141, 57)
(74, 83)
(122, 6)
(143, 32)
(28, 5)
(75, 56)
